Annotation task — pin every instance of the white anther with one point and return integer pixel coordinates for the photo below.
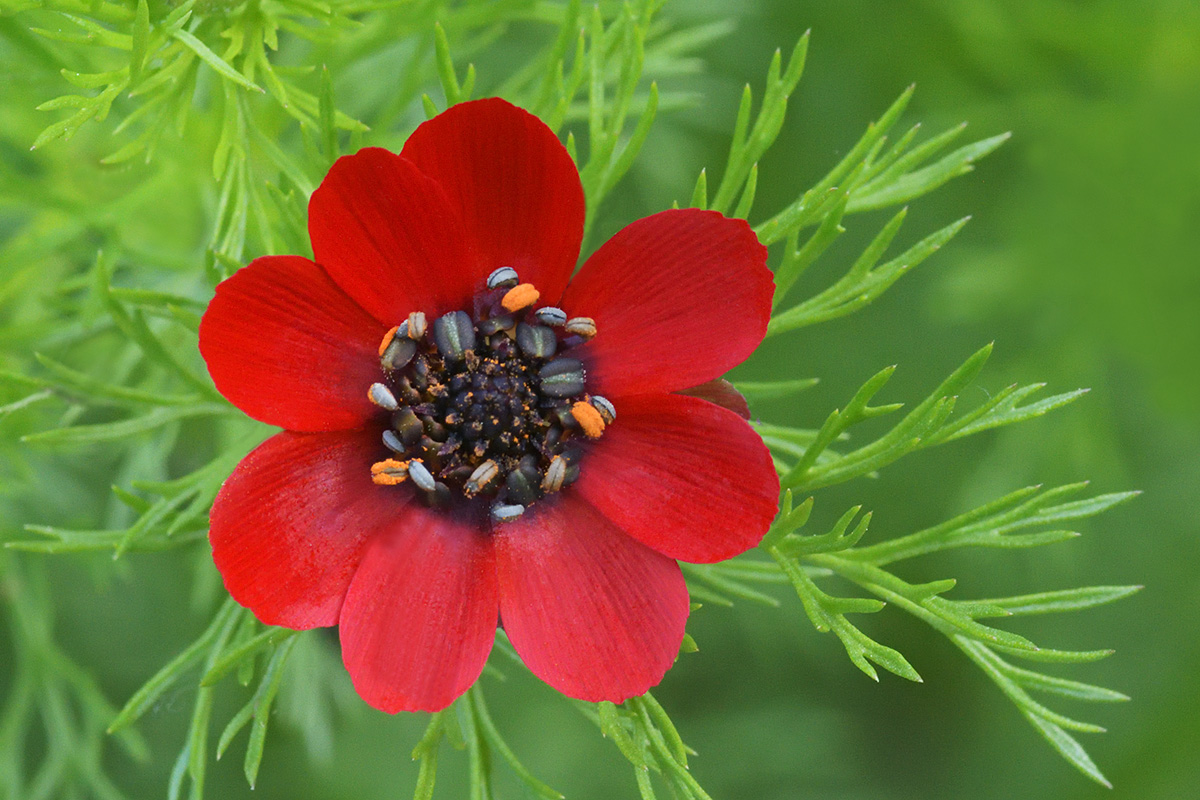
(421, 476)
(607, 410)
(556, 473)
(382, 396)
(503, 513)
(505, 276)
(582, 326)
(552, 316)
(415, 325)
(392, 441)
(484, 474)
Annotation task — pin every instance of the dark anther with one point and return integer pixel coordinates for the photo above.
(420, 374)
(435, 430)
(408, 426)
(504, 322)
(454, 334)
(562, 377)
(523, 482)
(399, 351)
(440, 497)
(536, 341)
(520, 488)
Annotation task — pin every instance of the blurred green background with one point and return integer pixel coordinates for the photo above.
(1081, 263)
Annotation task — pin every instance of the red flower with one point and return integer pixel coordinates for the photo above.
(486, 462)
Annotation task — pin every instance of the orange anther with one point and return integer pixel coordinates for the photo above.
(387, 339)
(389, 472)
(589, 419)
(520, 296)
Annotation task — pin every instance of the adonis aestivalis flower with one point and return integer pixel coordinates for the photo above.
(473, 435)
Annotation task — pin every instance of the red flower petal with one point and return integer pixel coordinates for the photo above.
(285, 345)
(420, 617)
(683, 476)
(679, 298)
(722, 393)
(289, 526)
(514, 184)
(389, 236)
(593, 613)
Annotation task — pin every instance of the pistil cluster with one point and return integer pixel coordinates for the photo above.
(488, 409)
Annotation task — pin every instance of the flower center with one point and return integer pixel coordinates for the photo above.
(487, 409)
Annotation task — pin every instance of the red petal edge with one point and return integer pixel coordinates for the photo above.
(591, 612)
(390, 237)
(514, 184)
(289, 525)
(722, 393)
(285, 345)
(679, 298)
(683, 476)
(420, 617)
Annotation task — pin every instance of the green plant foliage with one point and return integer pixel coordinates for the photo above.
(241, 107)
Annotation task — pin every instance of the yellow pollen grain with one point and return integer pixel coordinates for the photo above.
(520, 296)
(387, 339)
(380, 475)
(589, 419)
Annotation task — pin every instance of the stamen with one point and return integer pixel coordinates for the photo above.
(382, 396)
(607, 410)
(421, 476)
(398, 351)
(454, 334)
(522, 482)
(387, 339)
(440, 497)
(488, 404)
(484, 474)
(408, 426)
(504, 322)
(584, 327)
(555, 474)
(392, 442)
(389, 472)
(507, 513)
(416, 325)
(562, 377)
(521, 296)
(552, 316)
(536, 341)
(589, 419)
(502, 278)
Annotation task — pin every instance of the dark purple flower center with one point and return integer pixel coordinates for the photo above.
(488, 409)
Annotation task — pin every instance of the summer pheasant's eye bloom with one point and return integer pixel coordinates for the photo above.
(473, 436)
